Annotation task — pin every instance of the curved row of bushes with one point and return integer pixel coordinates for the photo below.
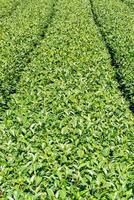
(68, 132)
(21, 33)
(117, 26)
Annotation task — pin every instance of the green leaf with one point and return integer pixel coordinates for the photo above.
(63, 194)
(80, 153)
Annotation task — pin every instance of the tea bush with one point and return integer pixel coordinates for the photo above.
(68, 133)
(7, 7)
(116, 23)
(130, 3)
(20, 34)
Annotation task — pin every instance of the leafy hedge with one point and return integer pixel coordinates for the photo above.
(7, 7)
(117, 25)
(21, 33)
(68, 132)
(130, 3)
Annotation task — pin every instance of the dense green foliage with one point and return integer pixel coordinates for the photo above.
(20, 33)
(117, 25)
(130, 3)
(7, 7)
(68, 131)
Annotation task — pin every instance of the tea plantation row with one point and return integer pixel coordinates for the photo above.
(68, 132)
(116, 23)
(20, 34)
